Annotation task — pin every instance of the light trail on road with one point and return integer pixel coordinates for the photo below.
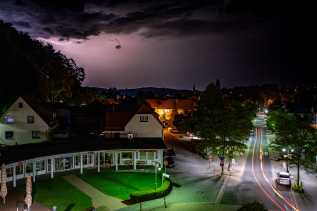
(278, 193)
(257, 181)
(269, 195)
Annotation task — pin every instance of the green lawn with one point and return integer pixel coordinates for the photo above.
(58, 192)
(121, 184)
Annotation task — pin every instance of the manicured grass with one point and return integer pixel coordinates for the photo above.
(58, 192)
(121, 184)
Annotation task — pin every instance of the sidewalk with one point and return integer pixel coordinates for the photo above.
(98, 198)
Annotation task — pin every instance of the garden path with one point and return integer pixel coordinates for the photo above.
(98, 198)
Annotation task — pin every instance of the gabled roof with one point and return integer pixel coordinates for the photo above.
(45, 111)
(118, 116)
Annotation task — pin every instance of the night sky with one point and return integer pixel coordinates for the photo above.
(175, 43)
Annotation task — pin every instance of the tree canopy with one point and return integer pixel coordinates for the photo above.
(30, 67)
(222, 122)
(293, 132)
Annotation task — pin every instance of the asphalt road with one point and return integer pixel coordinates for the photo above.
(274, 196)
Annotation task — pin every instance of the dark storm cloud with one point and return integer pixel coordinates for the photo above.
(154, 18)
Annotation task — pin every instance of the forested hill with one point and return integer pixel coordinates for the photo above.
(28, 66)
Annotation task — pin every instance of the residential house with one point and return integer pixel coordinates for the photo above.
(132, 138)
(25, 122)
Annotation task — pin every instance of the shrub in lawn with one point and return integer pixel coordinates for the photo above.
(252, 207)
(145, 195)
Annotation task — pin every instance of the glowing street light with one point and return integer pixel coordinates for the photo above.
(287, 156)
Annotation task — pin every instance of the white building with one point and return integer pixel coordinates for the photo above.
(23, 124)
(134, 143)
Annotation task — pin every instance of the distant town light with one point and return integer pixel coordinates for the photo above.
(284, 150)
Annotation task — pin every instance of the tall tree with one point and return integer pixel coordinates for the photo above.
(31, 67)
(223, 123)
(293, 132)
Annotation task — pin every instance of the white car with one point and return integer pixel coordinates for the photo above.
(284, 178)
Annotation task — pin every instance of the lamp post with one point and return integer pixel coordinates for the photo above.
(157, 167)
(287, 156)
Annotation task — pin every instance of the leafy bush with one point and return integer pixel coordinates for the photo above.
(252, 207)
(145, 195)
(298, 188)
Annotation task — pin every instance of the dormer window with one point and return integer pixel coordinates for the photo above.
(20, 105)
(30, 119)
(144, 118)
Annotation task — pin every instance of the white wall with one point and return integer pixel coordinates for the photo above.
(150, 129)
(22, 130)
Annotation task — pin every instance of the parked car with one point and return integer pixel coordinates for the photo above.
(170, 162)
(283, 178)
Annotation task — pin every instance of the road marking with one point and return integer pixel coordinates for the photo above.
(221, 191)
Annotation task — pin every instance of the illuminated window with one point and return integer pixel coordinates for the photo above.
(9, 120)
(144, 118)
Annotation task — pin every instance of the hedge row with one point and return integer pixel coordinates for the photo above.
(145, 195)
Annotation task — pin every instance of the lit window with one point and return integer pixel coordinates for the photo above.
(9, 135)
(9, 120)
(36, 134)
(144, 118)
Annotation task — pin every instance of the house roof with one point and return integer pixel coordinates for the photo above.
(45, 111)
(118, 116)
(11, 154)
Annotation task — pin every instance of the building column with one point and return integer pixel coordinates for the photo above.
(52, 167)
(73, 158)
(81, 163)
(116, 160)
(160, 156)
(98, 161)
(24, 168)
(14, 176)
(34, 170)
(134, 160)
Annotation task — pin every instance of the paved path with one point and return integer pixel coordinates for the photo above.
(98, 198)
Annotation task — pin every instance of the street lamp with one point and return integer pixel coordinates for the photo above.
(157, 167)
(287, 156)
